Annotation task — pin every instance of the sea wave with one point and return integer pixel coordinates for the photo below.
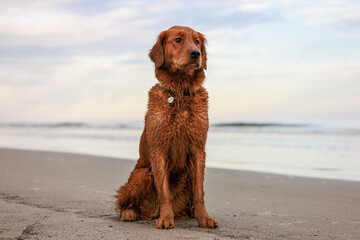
(68, 125)
(277, 127)
(311, 150)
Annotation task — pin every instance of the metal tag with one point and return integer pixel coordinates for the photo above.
(170, 99)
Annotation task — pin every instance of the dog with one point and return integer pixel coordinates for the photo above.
(167, 182)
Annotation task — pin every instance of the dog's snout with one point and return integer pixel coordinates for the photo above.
(194, 53)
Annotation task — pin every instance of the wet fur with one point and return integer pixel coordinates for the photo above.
(167, 182)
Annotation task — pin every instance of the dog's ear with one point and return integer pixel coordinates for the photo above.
(157, 53)
(203, 50)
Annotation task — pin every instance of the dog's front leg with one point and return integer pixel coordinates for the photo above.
(161, 180)
(200, 212)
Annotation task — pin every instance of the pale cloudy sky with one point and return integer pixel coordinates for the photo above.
(75, 60)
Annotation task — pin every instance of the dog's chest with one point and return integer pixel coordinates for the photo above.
(183, 121)
(185, 128)
(180, 118)
(186, 118)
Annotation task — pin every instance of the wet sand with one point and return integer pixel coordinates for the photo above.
(48, 195)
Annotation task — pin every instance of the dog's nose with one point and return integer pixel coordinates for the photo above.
(194, 53)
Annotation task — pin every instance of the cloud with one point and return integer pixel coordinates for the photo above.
(220, 50)
(283, 90)
(85, 86)
(254, 6)
(337, 14)
(63, 23)
(77, 59)
(101, 87)
(58, 27)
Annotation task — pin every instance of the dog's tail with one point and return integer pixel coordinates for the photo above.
(139, 184)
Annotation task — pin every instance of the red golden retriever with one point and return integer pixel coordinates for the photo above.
(167, 182)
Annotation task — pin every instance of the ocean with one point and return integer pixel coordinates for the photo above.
(330, 151)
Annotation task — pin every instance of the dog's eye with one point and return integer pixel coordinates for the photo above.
(178, 40)
(197, 41)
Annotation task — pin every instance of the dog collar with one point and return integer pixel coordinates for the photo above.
(171, 98)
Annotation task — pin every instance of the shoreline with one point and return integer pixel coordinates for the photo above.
(69, 196)
(294, 173)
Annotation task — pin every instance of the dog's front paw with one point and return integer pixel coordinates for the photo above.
(165, 222)
(207, 222)
(128, 215)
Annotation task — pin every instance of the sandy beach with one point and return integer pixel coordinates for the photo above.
(49, 195)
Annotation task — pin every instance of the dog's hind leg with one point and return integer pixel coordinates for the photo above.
(130, 196)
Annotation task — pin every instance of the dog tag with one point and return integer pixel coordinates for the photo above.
(170, 99)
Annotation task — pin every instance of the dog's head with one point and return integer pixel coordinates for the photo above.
(179, 48)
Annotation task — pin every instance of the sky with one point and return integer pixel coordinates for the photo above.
(77, 60)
